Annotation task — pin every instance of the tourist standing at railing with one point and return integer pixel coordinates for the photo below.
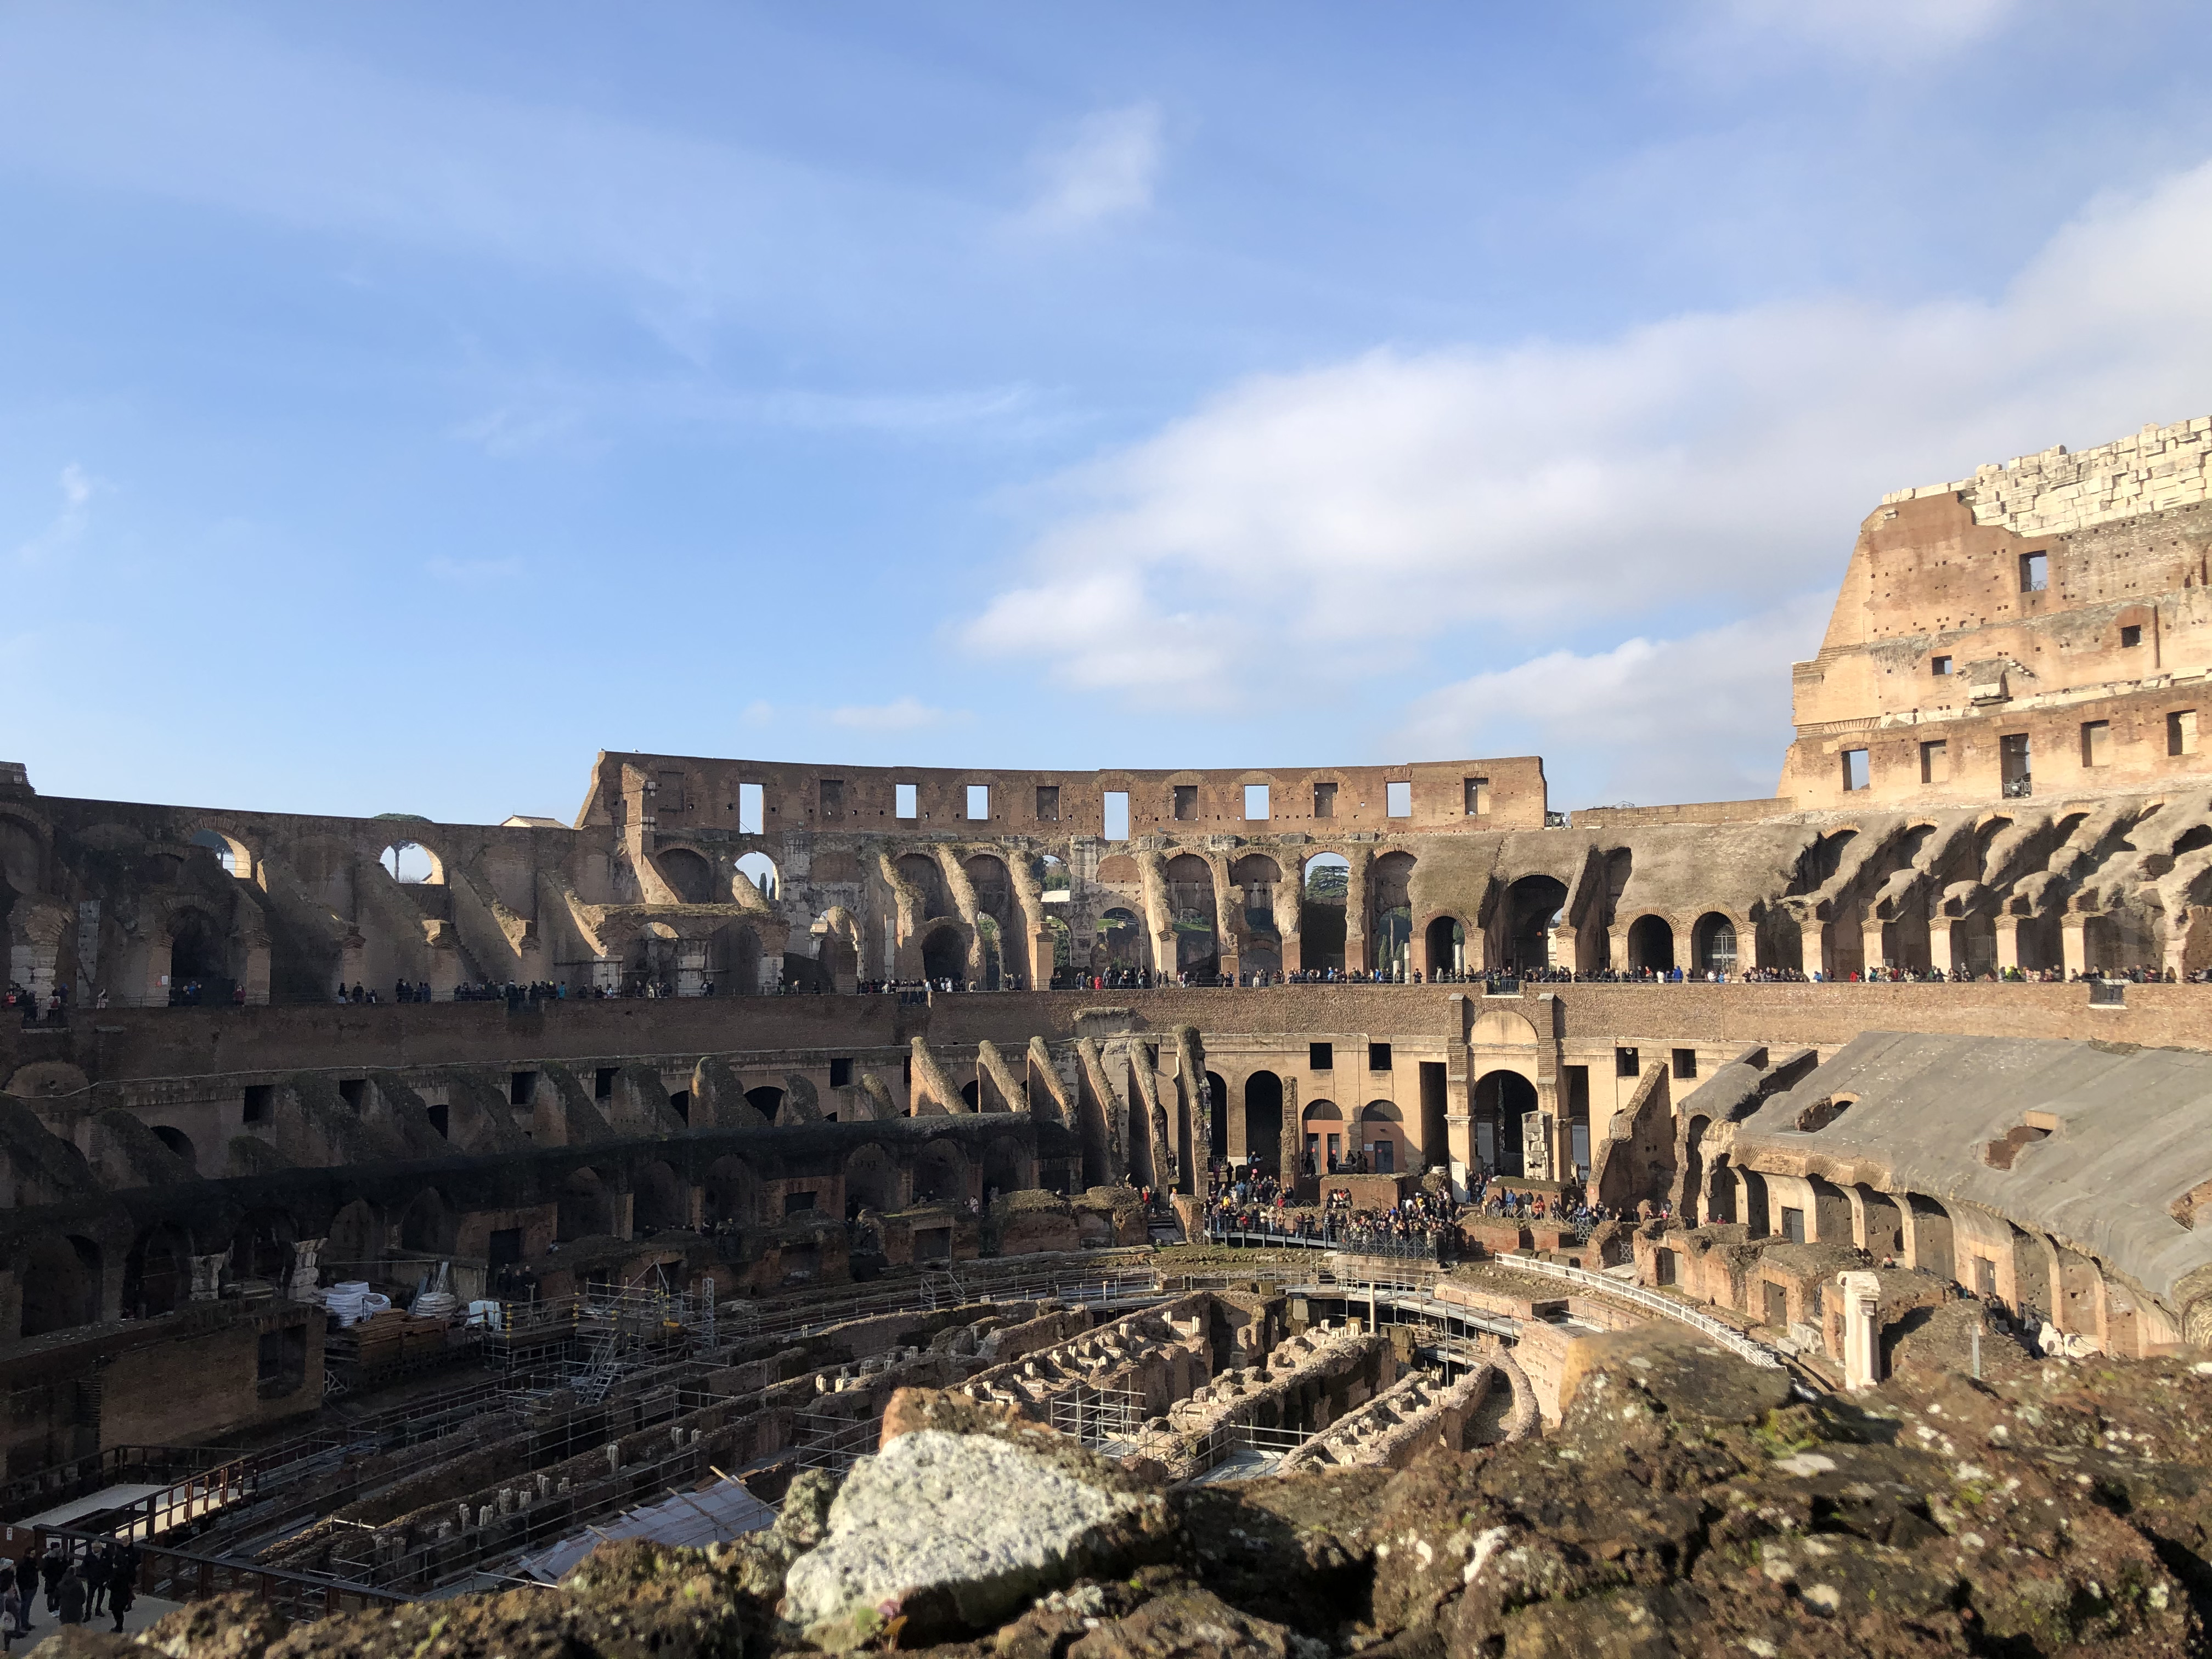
(123, 1583)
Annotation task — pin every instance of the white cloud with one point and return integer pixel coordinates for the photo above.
(1890, 31)
(475, 571)
(1104, 170)
(66, 528)
(1718, 463)
(757, 713)
(1696, 719)
(904, 714)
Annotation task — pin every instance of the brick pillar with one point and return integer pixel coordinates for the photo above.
(1939, 944)
(1871, 953)
(2007, 933)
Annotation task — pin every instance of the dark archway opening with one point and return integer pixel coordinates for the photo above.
(1447, 946)
(1713, 944)
(1502, 1101)
(945, 956)
(199, 963)
(61, 1285)
(157, 1274)
(1651, 944)
(1538, 906)
(1263, 1122)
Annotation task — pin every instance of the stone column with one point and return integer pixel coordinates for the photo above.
(1812, 954)
(1862, 1310)
(2008, 941)
(1293, 1145)
(1939, 944)
(2073, 942)
(1871, 953)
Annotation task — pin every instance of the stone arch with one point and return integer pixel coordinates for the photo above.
(261, 1245)
(1934, 1244)
(767, 1100)
(157, 1274)
(1217, 1117)
(1263, 1122)
(1501, 1028)
(1502, 1100)
(1121, 935)
(871, 1181)
(1323, 1134)
(1444, 945)
(922, 873)
(1881, 1224)
(428, 1225)
(234, 857)
(413, 864)
(199, 958)
(1652, 943)
(1535, 908)
(1190, 895)
(1390, 933)
(759, 869)
(1714, 943)
(60, 1280)
(659, 1203)
(940, 1174)
(586, 1208)
(1383, 1139)
(1325, 885)
(733, 1192)
(354, 1247)
(690, 873)
(177, 1141)
(1005, 1167)
(944, 952)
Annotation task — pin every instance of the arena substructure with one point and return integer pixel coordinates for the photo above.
(392, 1208)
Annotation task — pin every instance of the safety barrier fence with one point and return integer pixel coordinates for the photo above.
(174, 1575)
(1734, 1340)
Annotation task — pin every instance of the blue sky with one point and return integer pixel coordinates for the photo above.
(401, 403)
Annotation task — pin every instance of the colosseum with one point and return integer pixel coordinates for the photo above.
(396, 1209)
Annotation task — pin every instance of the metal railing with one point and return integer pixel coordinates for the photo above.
(1730, 1338)
(181, 1576)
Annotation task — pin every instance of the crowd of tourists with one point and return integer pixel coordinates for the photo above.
(81, 1580)
(25, 1005)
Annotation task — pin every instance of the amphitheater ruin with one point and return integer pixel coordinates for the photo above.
(393, 1207)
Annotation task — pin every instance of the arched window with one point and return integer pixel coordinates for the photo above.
(759, 869)
(410, 861)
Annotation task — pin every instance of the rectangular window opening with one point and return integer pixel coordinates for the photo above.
(2181, 731)
(520, 1085)
(1935, 762)
(1117, 815)
(833, 799)
(506, 1247)
(979, 802)
(440, 1116)
(1939, 665)
(260, 1102)
(1793, 1225)
(906, 801)
(1478, 798)
(1321, 1056)
(1397, 799)
(1625, 1063)
(1324, 800)
(840, 1073)
(2130, 636)
(1686, 1062)
(353, 1091)
(603, 1083)
(2015, 771)
(1256, 802)
(1184, 804)
(1048, 803)
(2034, 572)
(798, 1203)
(1379, 1056)
(2096, 742)
(1856, 770)
(751, 814)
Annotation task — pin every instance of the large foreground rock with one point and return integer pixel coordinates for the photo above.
(940, 1534)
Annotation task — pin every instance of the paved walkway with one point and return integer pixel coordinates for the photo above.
(144, 1612)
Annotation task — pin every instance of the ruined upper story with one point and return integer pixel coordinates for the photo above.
(633, 792)
(2041, 625)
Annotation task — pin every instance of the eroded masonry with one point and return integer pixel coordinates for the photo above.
(388, 1203)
